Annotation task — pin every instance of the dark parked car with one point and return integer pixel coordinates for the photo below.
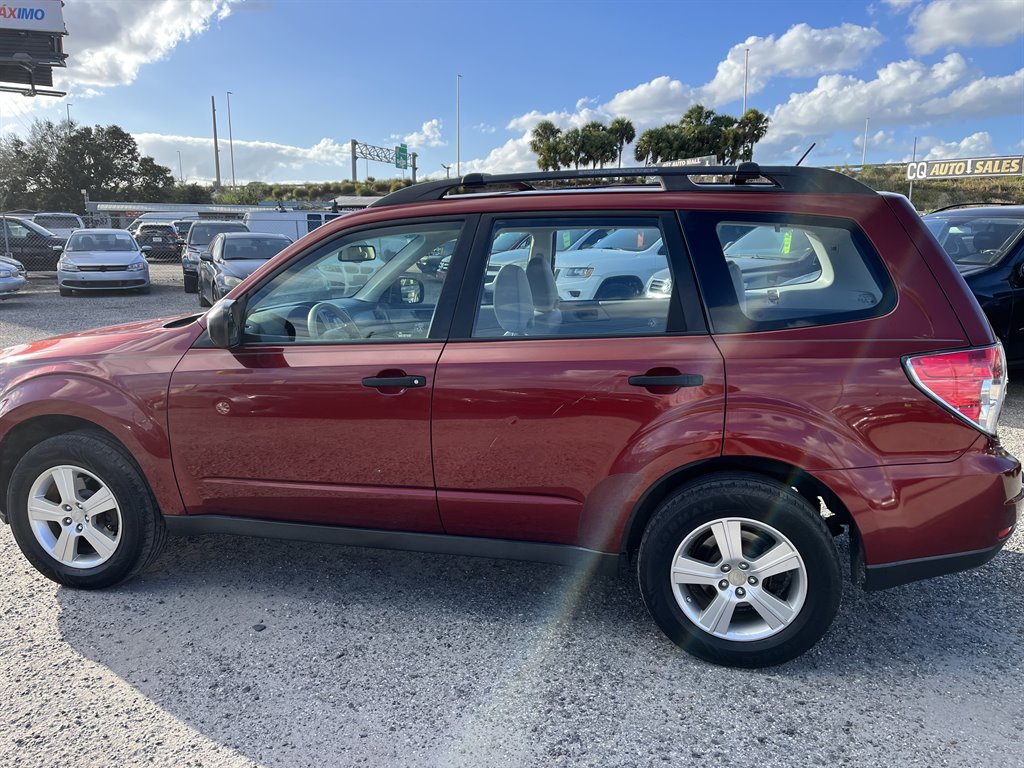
(160, 236)
(198, 240)
(986, 243)
(231, 258)
(35, 247)
(714, 441)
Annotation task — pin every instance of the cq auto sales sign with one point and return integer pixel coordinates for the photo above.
(32, 15)
(965, 168)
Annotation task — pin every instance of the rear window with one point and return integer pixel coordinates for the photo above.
(53, 221)
(773, 271)
(202, 234)
(258, 248)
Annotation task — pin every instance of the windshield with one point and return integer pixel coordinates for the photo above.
(977, 240)
(101, 241)
(202, 234)
(629, 240)
(506, 241)
(58, 222)
(258, 248)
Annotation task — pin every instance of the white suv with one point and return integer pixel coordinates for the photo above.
(617, 267)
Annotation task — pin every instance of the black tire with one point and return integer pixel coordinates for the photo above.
(145, 290)
(191, 283)
(203, 301)
(761, 502)
(142, 530)
(66, 292)
(618, 289)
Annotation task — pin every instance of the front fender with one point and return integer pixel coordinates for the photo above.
(138, 421)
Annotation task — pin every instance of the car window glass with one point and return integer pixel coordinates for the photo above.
(976, 240)
(202, 234)
(100, 241)
(549, 289)
(258, 248)
(784, 274)
(60, 222)
(361, 288)
(16, 229)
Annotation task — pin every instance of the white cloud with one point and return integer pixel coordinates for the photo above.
(327, 160)
(429, 135)
(946, 23)
(976, 145)
(899, 5)
(902, 93)
(878, 140)
(484, 128)
(801, 51)
(109, 40)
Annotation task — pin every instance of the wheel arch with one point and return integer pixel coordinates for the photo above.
(807, 485)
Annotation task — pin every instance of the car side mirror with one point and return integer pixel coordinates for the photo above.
(406, 290)
(146, 248)
(56, 247)
(205, 256)
(224, 323)
(357, 253)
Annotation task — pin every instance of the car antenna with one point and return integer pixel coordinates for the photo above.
(805, 154)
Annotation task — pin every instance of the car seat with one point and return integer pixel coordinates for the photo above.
(737, 283)
(513, 300)
(987, 241)
(548, 317)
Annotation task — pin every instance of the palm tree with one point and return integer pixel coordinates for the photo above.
(544, 142)
(623, 132)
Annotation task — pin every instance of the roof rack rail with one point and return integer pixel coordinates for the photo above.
(672, 179)
(969, 205)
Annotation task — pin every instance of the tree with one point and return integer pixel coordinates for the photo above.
(545, 142)
(623, 132)
(571, 148)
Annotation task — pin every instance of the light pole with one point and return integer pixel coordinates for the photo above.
(746, 59)
(458, 125)
(864, 149)
(231, 142)
(181, 173)
(447, 170)
(69, 106)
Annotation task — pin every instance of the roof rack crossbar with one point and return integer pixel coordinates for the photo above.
(671, 179)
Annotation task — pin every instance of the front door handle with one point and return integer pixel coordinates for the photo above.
(674, 380)
(401, 382)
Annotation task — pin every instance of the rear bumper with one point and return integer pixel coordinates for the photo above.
(916, 521)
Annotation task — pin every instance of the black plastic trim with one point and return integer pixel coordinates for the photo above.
(888, 575)
(605, 563)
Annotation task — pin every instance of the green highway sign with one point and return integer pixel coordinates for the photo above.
(402, 156)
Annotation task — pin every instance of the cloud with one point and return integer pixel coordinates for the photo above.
(110, 40)
(801, 51)
(484, 128)
(902, 93)
(946, 23)
(899, 5)
(429, 135)
(878, 140)
(975, 145)
(327, 160)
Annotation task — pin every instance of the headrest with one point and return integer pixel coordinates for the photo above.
(513, 300)
(542, 284)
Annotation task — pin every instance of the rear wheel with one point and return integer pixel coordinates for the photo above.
(82, 513)
(739, 570)
(617, 288)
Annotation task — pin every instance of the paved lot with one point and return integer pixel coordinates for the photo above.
(237, 652)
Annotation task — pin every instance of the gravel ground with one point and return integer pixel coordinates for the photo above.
(238, 652)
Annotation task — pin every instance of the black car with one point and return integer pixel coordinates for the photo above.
(231, 258)
(161, 237)
(198, 240)
(987, 245)
(29, 243)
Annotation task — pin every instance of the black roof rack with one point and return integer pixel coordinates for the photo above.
(970, 205)
(672, 179)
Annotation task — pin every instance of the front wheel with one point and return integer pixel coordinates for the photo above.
(81, 511)
(739, 570)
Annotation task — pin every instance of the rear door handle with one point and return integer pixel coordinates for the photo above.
(403, 382)
(677, 380)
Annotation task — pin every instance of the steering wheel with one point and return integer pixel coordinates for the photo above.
(326, 321)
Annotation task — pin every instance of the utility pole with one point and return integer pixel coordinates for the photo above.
(746, 59)
(216, 149)
(864, 149)
(910, 193)
(413, 158)
(352, 150)
(458, 125)
(231, 141)
(181, 173)
(69, 106)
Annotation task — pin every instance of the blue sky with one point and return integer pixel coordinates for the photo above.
(306, 77)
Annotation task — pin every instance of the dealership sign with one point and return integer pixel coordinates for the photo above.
(33, 16)
(965, 168)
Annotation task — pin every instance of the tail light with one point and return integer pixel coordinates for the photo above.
(970, 383)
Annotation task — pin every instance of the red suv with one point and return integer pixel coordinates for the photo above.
(815, 366)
